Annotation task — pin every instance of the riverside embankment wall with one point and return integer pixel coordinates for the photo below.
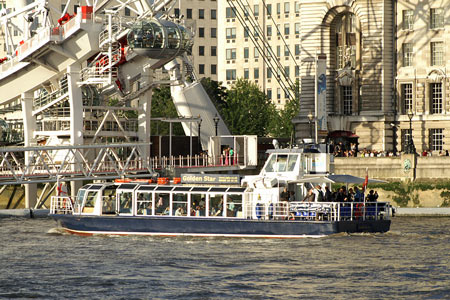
(405, 167)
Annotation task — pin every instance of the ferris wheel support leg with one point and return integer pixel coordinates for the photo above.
(144, 118)
(29, 129)
(76, 116)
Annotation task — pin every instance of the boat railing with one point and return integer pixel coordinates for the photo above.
(61, 205)
(337, 211)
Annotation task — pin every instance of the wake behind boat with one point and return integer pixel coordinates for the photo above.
(270, 205)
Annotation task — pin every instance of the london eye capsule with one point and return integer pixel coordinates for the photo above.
(159, 39)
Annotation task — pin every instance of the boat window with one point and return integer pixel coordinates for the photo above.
(79, 199)
(281, 163)
(270, 164)
(217, 189)
(216, 202)
(182, 188)
(125, 202)
(144, 203)
(164, 188)
(146, 188)
(109, 200)
(90, 199)
(234, 206)
(236, 190)
(162, 204)
(291, 162)
(198, 203)
(95, 187)
(200, 189)
(180, 204)
(127, 186)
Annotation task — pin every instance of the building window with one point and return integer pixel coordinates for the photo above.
(297, 49)
(246, 73)
(201, 50)
(201, 69)
(269, 73)
(201, 32)
(286, 50)
(437, 53)
(407, 49)
(269, 30)
(213, 14)
(406, 135)
(189, 13)
(128, 12)
(231, 33)
(346, 41)
(278, 51)
(278, 8)
(407, 97)
(436, 139)
(213, 32)
(286, 7)
(286, 29)
(436, 98)
(256, 52)
(278, 93)
(297, 6)
(347, 99)
(269, 94)
(201, 13)
(297, 28)
(297, 71)
(256, 73)
(231, 53)
(213, 50)
(408, 19)
(230, 12)
(214, 69)
(269, 9)
(246, 53)
(256, 10)
(246, 32)
(286, 71)
(231, 74)
(437, 18)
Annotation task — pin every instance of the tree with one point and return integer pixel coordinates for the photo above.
(163, 107)
(216, 92)
(247, 110)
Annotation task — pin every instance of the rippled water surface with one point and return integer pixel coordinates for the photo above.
(409, 262)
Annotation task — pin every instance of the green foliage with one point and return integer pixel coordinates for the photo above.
(247, 109)
(446, 196)
(163, 107)
(216, 92)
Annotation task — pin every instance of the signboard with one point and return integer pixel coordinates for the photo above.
(211, 178)
(321, 94)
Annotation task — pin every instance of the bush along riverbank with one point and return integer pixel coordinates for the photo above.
(420, 193)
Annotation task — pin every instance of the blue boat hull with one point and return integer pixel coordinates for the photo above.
(191, 226)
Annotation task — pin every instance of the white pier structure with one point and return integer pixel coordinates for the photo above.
(88, 77)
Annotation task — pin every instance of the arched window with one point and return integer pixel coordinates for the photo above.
(346, 41)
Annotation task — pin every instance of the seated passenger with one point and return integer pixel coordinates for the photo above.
(179, 212)
(167, 211)
(310, 196)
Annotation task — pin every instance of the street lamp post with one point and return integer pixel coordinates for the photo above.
(199, 140)
(310, 119)
(410, 149)
(216, 121)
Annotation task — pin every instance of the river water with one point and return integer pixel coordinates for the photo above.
(409, 262)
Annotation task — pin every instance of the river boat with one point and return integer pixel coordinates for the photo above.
(268, 205)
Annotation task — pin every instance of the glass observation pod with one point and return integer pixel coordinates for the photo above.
(159, 39)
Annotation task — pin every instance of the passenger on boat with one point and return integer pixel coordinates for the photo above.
(372, 196)
(167, 211)
(328, 195)
(358, 197)
(179, 212)
(292, 196)
(319, 194)
(310, 196)
(350, 195)
(284, 195)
